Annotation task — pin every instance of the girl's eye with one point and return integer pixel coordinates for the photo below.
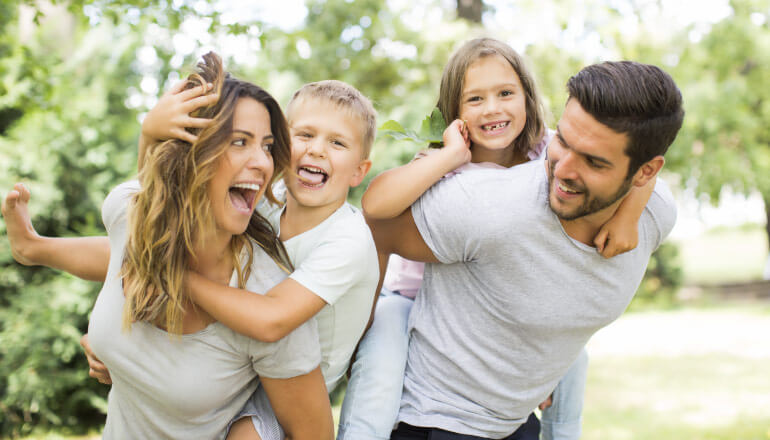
(304, 135)
(474, 99)
(239, 142)
(506, 93)
(267, 148)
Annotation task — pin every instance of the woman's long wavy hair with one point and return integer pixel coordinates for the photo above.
(172, 211)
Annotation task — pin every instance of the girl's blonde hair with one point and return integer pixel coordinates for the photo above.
(453, 79)
(172, 210)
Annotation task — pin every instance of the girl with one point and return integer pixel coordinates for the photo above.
(497, 121)
(175, 371)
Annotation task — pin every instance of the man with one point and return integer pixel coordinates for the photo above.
(521, 288)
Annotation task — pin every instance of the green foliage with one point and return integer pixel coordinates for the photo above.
(662, 279)
(725, 140)
(68, 133)
(431, 130)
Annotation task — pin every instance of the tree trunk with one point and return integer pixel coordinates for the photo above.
(470, 10)
(766, 273)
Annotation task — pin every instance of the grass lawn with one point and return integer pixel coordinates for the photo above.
(686, 374)
(724, 255)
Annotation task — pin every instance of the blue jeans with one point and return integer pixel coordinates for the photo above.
(373, 396)
(562, 420)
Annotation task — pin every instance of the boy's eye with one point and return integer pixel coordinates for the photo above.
(338, 143)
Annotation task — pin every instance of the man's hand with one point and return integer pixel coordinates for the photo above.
(21, 234)
(96, 369)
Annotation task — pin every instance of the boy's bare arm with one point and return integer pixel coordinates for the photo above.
(171, 116)
(620, 234)
(393, 191)
(267, 317)
(84, 257)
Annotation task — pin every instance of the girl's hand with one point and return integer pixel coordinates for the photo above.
(21, 234)
(171, 115)
(614, 239)
(457, 143)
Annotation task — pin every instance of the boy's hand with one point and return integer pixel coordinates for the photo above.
(97, 369)
(171, 115)
(613, 239)
(21, 234)
(456, 142)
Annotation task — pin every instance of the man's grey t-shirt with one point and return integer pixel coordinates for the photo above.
(496, 326)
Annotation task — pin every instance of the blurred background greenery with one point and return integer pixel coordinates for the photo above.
(76, 78)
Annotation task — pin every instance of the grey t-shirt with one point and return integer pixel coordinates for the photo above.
(496, 326)
(166, 387)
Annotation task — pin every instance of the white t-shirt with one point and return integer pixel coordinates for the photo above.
(190, 386)
(337, 261)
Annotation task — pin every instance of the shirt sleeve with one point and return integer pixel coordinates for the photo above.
(115, 206)
(661, 210)
(295, 354)
(445, 220)
(334, 266)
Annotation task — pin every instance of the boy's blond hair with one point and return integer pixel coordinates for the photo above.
(346, 97)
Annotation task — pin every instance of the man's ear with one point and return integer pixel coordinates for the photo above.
(361, 170)
(648, 170)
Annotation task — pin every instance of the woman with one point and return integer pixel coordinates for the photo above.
(176, 373)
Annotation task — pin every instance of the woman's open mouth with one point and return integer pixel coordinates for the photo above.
(243, 196)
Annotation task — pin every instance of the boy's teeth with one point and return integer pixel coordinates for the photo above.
(251, 186)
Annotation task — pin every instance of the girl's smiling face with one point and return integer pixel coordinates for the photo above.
(244, 169)
(493, 104)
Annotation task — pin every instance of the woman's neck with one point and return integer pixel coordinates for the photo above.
(212, 259)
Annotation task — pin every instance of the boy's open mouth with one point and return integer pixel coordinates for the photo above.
(311, 176)
(243, 196)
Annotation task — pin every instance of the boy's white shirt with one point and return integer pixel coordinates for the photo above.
(337, 261)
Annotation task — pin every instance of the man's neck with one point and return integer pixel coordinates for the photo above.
(584, 229)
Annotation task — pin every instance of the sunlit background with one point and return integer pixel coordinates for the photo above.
(687, 361)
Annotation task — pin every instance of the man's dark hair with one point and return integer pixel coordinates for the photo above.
(639, 100)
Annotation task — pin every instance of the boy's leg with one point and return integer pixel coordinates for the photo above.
(373, 395)
(562, 420)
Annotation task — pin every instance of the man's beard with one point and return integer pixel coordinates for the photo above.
(590, 204)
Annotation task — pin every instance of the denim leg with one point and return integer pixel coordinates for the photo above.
(562, 420)
(373, 394)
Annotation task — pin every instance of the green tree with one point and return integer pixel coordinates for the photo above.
(725, 141)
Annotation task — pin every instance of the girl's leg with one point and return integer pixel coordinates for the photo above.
(243, 429)
(562, 420)
(256, 420)
(373, 395)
